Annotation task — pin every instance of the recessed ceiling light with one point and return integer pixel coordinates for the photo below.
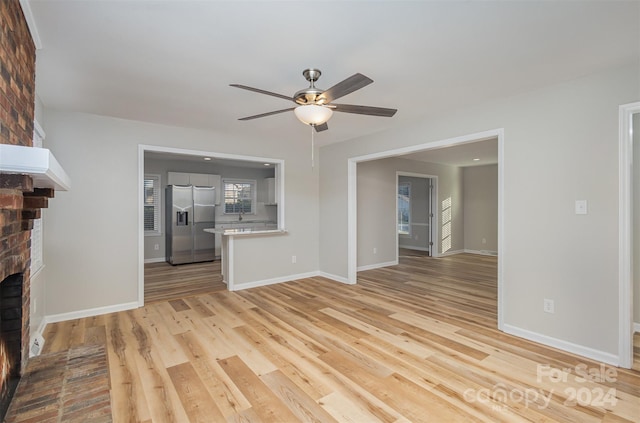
(267, 164)
(207, 158)
(476, 160)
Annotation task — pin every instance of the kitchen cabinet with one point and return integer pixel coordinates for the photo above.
(177, 178)
(197, 179)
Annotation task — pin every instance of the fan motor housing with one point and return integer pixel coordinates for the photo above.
(311, 95)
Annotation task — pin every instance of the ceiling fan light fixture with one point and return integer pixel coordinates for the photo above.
(311, 114)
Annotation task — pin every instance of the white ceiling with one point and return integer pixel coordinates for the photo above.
(171, 62)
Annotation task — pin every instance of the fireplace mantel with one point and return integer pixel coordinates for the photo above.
(39, 163)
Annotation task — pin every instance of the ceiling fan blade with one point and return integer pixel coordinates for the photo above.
(267, 114)
(349, 85)
(258, 90)
(323, 127)
(364, 110)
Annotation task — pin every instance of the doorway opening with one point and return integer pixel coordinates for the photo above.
(161, 280)
(415, 210)
(352, 202)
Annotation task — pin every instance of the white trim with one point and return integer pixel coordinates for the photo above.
(335, 278)
(636, 327)
(377, 265)
(352, 221)
(155, 260)
(31, 23)
(581, 350)
(625, 236)
(80, 314)
(501, 244)
(413, 247)
(39, 163)
(481, 252)
(142, 148)
(451, 253)
(38, 131)
(281, 279)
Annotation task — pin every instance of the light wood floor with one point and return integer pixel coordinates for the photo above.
(163, 281)
(409, 343)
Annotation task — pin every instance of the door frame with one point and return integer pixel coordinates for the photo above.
(434, 251)
(352, 200)
(142, 148)
(625, 237)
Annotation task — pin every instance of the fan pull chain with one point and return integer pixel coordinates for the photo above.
(313, 129)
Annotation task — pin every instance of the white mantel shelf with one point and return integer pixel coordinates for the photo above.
(39, 163)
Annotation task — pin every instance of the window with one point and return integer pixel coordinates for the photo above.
(404, 208)
(151, 203)
(239, 196)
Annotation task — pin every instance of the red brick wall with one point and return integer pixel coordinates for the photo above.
(17, 103)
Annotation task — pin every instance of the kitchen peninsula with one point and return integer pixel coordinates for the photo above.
(227, 250)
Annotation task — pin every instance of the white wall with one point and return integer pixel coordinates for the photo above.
(554, 140)
(481, 208)
(91, 231)
(377, 206)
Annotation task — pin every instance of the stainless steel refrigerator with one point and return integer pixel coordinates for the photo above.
(189, 210)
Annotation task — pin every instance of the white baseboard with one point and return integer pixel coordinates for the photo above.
(450, 253)
(336, 278)
(377, 265)
(482, 252)
(587, 352)
(636, 327)
(265, 282)
(155, 260)
(411, 247)
(54, 318)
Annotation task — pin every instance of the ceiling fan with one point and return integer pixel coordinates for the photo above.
(314, 106)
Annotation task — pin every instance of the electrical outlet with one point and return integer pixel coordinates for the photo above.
(484, 240)
(293, 259)
(548, 306)
(375, 250)
(156, 247)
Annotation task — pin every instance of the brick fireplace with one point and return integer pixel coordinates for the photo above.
(20, 201)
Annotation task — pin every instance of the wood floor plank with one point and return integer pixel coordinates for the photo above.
(224, 392)
(194, 396)
(302, 406)
(264, 402)
(413, 342)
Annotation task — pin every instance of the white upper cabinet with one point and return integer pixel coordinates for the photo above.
(177, 178)
(197, 179)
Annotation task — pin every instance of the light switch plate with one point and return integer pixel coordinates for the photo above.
(581, 206)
